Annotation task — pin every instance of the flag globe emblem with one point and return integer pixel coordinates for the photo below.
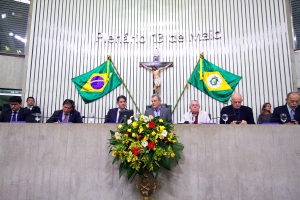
(214, 81)
(97, 82)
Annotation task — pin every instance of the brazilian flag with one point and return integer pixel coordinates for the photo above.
(97, 83)
(214, 81)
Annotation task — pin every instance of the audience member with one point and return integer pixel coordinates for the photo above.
(195, 115)
(291, 109)
(15, 113)
(237, 114)
(265, 115)
(67, 114)
(158, 110)
(34, 109)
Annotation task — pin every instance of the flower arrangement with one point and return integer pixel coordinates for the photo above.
(145, 143)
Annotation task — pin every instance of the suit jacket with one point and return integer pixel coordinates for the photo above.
(165, 113)
(23, 115)
(35, 109)
(111, 116)
(245, 113)
(284, 109)
(74, 117)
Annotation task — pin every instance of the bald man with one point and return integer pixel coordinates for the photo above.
(291, 109)
(237, 114)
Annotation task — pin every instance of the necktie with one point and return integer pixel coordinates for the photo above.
(14, 116)
(292, 114)
(66, 118)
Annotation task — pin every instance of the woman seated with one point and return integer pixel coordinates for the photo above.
(265, 115)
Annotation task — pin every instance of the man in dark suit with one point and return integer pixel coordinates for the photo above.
(157, 110)
(35, 110)
(67, 114)
(30, 105)
(237, 114)
(15, 113)
(113, 114)
(291, 109)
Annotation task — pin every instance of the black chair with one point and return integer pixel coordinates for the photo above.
(162, 105)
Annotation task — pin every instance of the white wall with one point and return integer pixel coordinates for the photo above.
(12, 72)
(254, 44)
(297, 67)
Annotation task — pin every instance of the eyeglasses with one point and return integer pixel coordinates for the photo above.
(14, 104)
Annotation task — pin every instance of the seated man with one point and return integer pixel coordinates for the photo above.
(291, 110)
(195, 115)
(157, 110)
(237, 114)
(113, 114)
(34, 109)
(15, 113)
(67, 114)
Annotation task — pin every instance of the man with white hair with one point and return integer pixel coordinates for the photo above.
(237, 114)
(195, 115)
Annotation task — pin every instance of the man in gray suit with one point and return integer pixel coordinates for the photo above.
(157, 110)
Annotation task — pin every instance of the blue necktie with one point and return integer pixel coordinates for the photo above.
(292, 114)
(14, 116)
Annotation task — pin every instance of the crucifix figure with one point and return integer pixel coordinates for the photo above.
(156, 67)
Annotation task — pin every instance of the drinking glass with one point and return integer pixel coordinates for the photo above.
(91, 117)
(225, 117)
(192, 120)
(37, 117)
(283, 117)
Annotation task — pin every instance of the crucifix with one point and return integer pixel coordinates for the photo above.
(156, 67)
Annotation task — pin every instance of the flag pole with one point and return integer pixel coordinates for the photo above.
(186, 85)
(109, 58)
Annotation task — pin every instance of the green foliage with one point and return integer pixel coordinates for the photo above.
(144, 144)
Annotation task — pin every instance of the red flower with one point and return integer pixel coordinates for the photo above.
(151, 125)
(127, 133)
(150, 145)
(135, 151)
(140, 137)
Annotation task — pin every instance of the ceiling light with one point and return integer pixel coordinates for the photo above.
(23, 1)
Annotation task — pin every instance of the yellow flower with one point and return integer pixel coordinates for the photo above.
(150, 117)
(114, 153)
(153, 133)
(129, 159)
(135, 124)
(141, 117)
(133, 134)
(172, 155)
(160, 120)
(165, 153)
(161, 128)
(120, 126)
(174, 141)
(161, 136)
(141, 129)
(129, 130)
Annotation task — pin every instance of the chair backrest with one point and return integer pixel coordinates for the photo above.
(162, 105)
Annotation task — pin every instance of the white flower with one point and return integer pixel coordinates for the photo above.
(129, 121)
(118, 135)
(146, 119)
(164, 133)
(144, 143)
